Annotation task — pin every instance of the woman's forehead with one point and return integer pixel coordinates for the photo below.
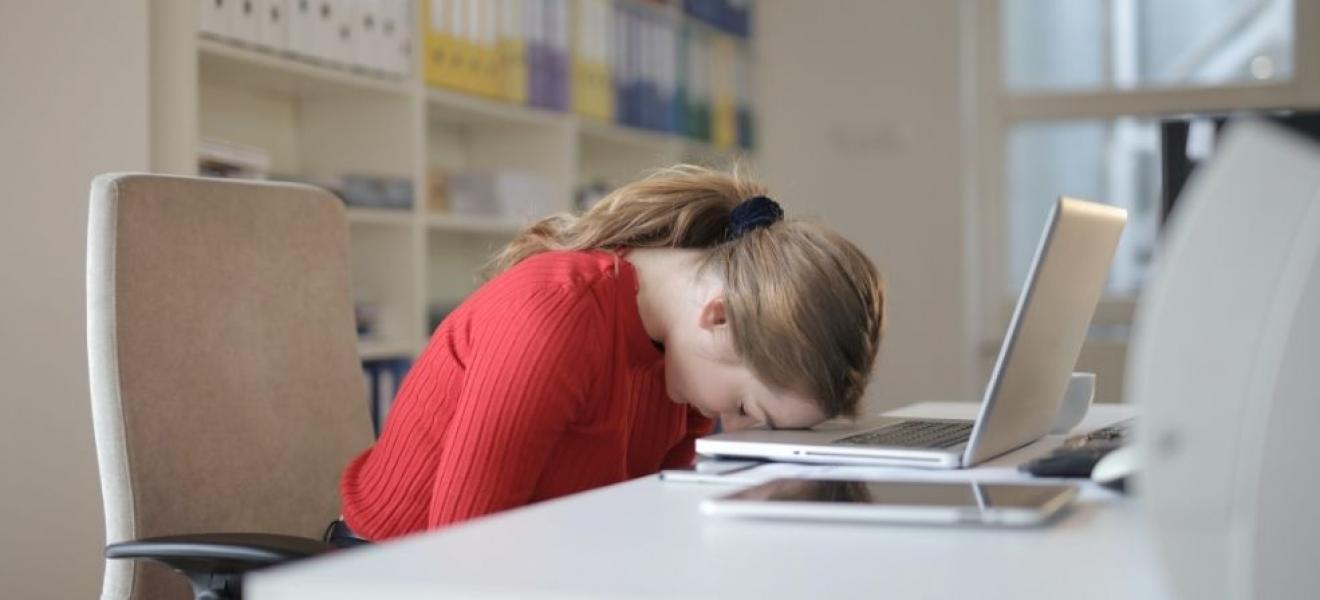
(787, 409)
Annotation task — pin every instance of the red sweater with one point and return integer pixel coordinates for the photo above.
(543, 383)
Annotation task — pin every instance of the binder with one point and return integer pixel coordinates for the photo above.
(213, 18)
(604, 48)
(365, 42)
(631, 69)
(732, 16)
(682, 79)
(512, 51)
(668, 78)
(435, 49)
(322, 30)
(465, 25)
(702, 97)
(537, 54)
(243, 22)
(302, 27)
(696, 110)
(619, 63)
(744, 87)
(474, 64)
(740, 17)
(488, 52)
(654, 67)
(580, 60)
(398, 32)
(591, 94)
(444, 60)
(394, 28)
(273, 24)
(340, 49)
(654, 46)
(557, 25)
(641, 76)
(723, 116)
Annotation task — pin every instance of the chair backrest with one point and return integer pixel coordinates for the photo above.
(227, 395)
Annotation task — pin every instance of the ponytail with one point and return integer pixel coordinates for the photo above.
(683, 206)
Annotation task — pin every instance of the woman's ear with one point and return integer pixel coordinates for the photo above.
(714, 314)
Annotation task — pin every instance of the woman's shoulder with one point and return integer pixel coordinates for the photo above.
(545, 289)
(555, 281)
(573, 269)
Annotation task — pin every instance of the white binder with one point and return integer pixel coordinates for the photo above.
(212, 18)
(365, 45)
(322, 30)
(398, 59)
(243, 21)
(273, 24)
(394, 29)
(302, 27)
(343, 30)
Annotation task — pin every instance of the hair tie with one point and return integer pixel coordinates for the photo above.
(753, 213)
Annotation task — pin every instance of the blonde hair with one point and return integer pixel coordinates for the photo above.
(805, 306)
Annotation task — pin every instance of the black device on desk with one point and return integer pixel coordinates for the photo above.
(1077, 455)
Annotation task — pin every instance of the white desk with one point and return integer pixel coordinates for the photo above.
(647, 538)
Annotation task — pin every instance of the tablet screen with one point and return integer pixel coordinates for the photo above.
(905, 493)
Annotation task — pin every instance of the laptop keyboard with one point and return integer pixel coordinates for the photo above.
(913, 434)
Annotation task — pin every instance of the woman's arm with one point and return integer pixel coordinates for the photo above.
(684, 453)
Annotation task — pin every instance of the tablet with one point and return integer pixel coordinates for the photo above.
(926, 502)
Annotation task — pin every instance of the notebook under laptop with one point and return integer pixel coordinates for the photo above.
(1025, 389)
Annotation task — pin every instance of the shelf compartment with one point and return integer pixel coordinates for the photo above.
(234, 65)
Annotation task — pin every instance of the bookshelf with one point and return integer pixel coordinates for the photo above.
(319, 121)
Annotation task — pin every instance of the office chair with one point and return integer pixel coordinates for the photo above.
(227, 395)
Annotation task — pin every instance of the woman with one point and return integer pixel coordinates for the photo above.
(605, 344)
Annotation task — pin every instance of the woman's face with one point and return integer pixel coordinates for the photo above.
(703, 369)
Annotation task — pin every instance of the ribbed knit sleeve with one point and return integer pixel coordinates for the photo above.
(684, 453)
(525, 380)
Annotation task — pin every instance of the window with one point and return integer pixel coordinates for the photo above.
(1125, 44)
(1114, 161)
(1077, 91)
(1066, 96)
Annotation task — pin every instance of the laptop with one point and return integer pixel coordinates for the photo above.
(1025, 389)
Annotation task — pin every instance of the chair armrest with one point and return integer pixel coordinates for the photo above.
(221, 552)
(216, 561)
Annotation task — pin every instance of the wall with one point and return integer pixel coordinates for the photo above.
(860, 125)
(74, 103)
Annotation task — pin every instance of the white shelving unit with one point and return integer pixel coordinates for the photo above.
(319, 122)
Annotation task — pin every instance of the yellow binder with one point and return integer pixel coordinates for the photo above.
(443, 60)
(723, 109)
(592, 84)
(512, 52)
(486, 77)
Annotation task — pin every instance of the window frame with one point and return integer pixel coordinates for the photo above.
(990, 110)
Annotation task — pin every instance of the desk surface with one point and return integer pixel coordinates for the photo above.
(647, 538)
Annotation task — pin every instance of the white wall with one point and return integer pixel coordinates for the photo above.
(73, 103)
(859, 123)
